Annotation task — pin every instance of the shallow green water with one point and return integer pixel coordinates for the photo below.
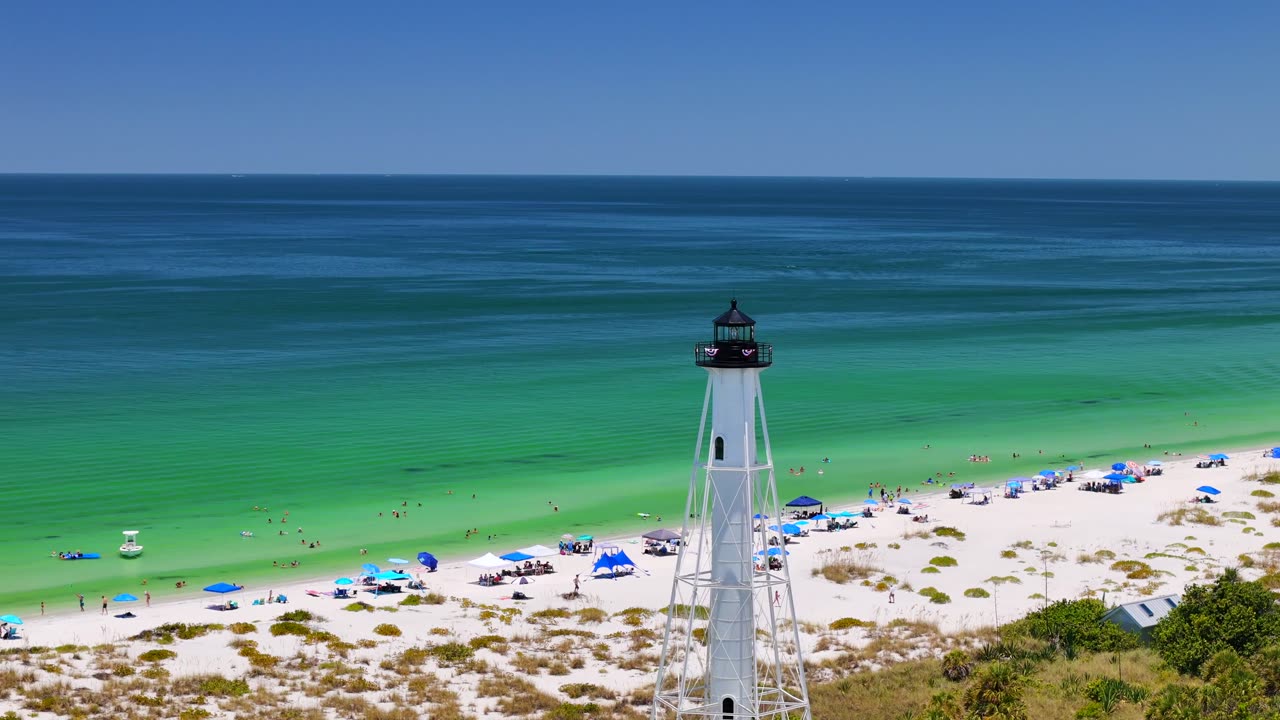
(179, 350)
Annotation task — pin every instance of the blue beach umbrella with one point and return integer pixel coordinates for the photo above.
(124, 597)
(1211, 490)
(428, 561)
(370, 568)
(773, 552)
(222, 588)
(790, 529)
(759, 516)
(1117, 466)
(1047, 473)
(869, 501)
(802, 522)
(1014, 483)
(344, 581)
(1219, 456)
(11, 619)
(397, 561)
(821, 516)
(1073, 468)
(1115, 476)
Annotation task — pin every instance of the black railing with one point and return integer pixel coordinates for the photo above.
(730, 354)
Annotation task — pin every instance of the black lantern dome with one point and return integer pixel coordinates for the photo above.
(735, 343)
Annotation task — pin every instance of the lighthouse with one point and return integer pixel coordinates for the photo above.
(732, 647)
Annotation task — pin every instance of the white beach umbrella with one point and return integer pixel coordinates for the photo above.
(489, 561)
(1094, 475)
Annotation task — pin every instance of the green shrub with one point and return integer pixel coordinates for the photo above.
(943, 561)
(387, 630)
(1227, 615)
(956, 665)
(289, 627)
(223, 687)
(452, 653)
(551, 614)
(929, 570)
(847, 622)
(1008, 554)
(297, 616)
(935, 595)
(481, 642)
(358, 607)
(976, 593)
(1073, 625)
(944, 531)
(412, 600)
(243, 628)
(157, 654)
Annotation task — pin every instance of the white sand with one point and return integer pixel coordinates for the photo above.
(1078, 522)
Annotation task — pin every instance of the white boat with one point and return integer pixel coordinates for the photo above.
(130, 548)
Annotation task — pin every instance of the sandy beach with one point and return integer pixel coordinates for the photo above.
(609, 636)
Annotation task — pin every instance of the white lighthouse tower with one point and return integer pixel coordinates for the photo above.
(728, 654)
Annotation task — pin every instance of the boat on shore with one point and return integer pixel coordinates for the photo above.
(130, 548)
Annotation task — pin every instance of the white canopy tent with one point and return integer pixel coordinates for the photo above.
(489, 561)
(539, 551)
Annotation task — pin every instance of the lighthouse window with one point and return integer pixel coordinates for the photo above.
(719, 448)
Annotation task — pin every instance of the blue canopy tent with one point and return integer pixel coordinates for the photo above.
(1219, 456)
(1014, 483)
(222, 588)
(370, 568)
(428, 561)
(391, 575)
(516, 556)
(612, 563)
(803, 501)
(1209, 489)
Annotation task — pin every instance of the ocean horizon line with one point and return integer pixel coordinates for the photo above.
(653, 176)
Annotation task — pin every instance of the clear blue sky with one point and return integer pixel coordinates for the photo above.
(975, 89)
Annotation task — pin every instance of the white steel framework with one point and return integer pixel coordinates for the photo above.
(732, 646)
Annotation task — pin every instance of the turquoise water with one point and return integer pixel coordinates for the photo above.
(178, 350)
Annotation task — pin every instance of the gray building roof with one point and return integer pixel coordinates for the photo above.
(1143, 613)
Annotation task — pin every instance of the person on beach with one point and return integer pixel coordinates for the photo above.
(41, 607)
(104, 604)
(575, 586)
(147, 596)
(81, 599)
(891, 596)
